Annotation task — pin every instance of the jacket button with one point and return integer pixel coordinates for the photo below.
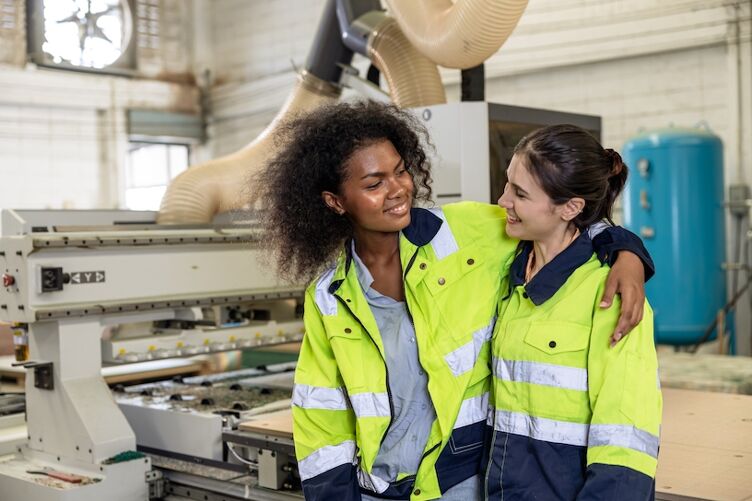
(423, 266)
(552, 344)
(416, 492)
(524, 294)
(442, 281)
(471, 261)
(349, 330)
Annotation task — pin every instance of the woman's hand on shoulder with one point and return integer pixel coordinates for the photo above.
(627, 278)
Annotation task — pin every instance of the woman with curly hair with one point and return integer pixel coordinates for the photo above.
(391, 388)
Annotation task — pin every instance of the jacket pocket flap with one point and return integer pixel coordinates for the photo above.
(452, 269)
(557, 337)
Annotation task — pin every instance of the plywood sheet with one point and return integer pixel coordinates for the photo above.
(277, 423)
(706, 446)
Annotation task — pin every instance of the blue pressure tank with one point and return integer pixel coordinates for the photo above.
(674, 201)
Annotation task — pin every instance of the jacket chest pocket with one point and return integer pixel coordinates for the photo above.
(351, 346)
(562, 341)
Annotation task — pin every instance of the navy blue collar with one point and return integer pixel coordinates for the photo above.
(553, 275)
(424, 225)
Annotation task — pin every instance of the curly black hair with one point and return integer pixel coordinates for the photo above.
(300, 230)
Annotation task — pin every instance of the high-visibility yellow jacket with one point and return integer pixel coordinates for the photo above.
(341, 405)
(573, 418)
(452, 262)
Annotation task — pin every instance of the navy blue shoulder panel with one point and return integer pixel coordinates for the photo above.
(340, 483)
(610, 241)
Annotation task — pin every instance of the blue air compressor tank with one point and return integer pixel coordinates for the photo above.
(674, 201)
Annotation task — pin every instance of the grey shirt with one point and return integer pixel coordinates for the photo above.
(414, 413)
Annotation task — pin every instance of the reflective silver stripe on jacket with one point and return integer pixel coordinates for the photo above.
(326, 458)
(549, 430)
(326, 302)
(583, 435)
(472, 410)
(371, 482)
(443, 243)
(318, 397)
(370, 404)
(463, 358)
(558, 376)
(597, 228)
(619, 435)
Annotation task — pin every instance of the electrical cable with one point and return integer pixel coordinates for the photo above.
(242, 459)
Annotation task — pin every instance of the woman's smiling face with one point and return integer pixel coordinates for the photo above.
(377, 192)
(531, 214)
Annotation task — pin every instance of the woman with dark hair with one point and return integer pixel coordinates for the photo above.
(391, 388)
(572, 418)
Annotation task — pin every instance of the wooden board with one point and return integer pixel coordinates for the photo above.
(706, 446)
(282, 348)
(277, 423)
(126, 373)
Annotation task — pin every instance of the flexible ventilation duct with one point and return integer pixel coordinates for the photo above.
(412, 78)
(219, 185)
(457, 35)
(405, 48)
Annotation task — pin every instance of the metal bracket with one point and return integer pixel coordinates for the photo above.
(43, 374)
(157, 484)
(351, 80)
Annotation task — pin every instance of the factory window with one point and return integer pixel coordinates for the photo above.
(150, 168)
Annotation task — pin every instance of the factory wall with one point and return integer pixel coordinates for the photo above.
(63, 136)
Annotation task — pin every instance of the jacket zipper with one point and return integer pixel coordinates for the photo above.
(386, 369)
(417, 349)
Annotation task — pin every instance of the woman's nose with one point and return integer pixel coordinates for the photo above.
(504, 201)
(396, 189)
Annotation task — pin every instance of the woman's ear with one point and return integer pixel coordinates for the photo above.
(333, 202)
(572, 208)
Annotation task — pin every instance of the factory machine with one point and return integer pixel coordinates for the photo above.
(113, 287)
(89, 287)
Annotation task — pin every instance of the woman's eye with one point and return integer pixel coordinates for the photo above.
(401, 171)
(373, 186)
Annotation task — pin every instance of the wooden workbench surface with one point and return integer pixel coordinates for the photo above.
(706, 446)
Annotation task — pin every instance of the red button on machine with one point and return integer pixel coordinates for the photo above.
(8, 280)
